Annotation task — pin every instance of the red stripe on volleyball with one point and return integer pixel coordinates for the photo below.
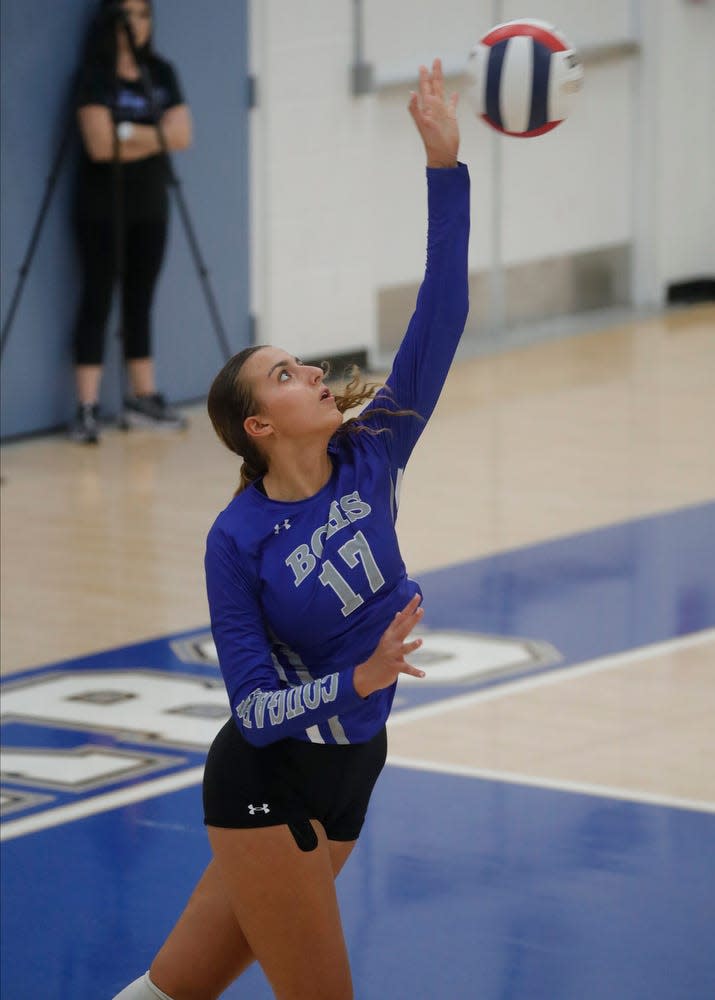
(536, 131)
(523, 135)
(507, 31)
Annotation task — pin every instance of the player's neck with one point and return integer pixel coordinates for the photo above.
(297, 476)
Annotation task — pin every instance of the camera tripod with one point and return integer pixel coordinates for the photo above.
(119, 18)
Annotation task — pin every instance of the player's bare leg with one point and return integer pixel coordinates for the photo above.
(285, 902)
(207, 949)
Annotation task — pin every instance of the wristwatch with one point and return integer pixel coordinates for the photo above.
(125, 130)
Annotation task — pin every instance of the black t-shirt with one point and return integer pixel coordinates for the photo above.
(144, 182)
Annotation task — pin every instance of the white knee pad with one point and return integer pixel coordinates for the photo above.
(142, 989)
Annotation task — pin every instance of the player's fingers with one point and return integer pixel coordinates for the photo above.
(410, 647)
(425, 85)
(406, 619)
(402, 628)
(411, 606)
(414, 107)
(412, 671)
(437, 79)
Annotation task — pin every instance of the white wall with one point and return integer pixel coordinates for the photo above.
(338, 185)
(313, 163)
(684, 45)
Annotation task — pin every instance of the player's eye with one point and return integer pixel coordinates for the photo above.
(282, 372)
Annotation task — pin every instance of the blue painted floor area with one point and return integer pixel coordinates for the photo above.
(459, 888)
(590, 595)
(485, 890)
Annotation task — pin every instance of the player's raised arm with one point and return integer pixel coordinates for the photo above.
(422, 362)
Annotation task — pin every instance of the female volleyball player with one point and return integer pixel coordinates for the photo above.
(312, 613)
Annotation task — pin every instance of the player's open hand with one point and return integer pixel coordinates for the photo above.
(436, 117)
(388, 661)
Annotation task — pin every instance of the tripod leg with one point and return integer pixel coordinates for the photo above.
(119, 223)
(35, 236)
(201, 269)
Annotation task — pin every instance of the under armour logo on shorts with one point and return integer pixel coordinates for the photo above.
(257, 809)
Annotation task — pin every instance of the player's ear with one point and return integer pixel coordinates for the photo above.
(257, 427)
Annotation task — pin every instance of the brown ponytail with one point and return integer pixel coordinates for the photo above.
(229, 402)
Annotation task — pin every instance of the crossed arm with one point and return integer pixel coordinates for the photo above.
(97, 131)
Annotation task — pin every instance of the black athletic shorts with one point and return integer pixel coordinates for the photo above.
(291, 782)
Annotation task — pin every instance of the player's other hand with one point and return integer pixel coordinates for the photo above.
(388, 661)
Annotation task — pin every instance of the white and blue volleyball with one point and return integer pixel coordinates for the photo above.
(523, 77)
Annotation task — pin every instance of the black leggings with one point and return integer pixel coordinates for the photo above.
(145, 243)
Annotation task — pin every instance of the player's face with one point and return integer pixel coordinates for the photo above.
(290, 395)
(139, 16)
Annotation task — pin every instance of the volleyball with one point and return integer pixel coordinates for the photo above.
(523, 78)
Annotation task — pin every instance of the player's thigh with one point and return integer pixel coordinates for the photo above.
(339, 851)
(286, 905)
(206, 950)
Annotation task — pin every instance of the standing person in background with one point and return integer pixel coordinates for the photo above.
(312, 612)
(123, 182)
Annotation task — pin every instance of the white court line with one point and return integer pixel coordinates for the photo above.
(529, 684)
(554, 676)
(512, 778)
(193, 776)
(101, 803)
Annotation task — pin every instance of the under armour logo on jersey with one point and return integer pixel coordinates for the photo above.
(277, 527)
(258, 809)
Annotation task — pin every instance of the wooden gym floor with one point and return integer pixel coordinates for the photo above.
(553, 449)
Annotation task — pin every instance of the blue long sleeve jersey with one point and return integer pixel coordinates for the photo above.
(301, 592)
